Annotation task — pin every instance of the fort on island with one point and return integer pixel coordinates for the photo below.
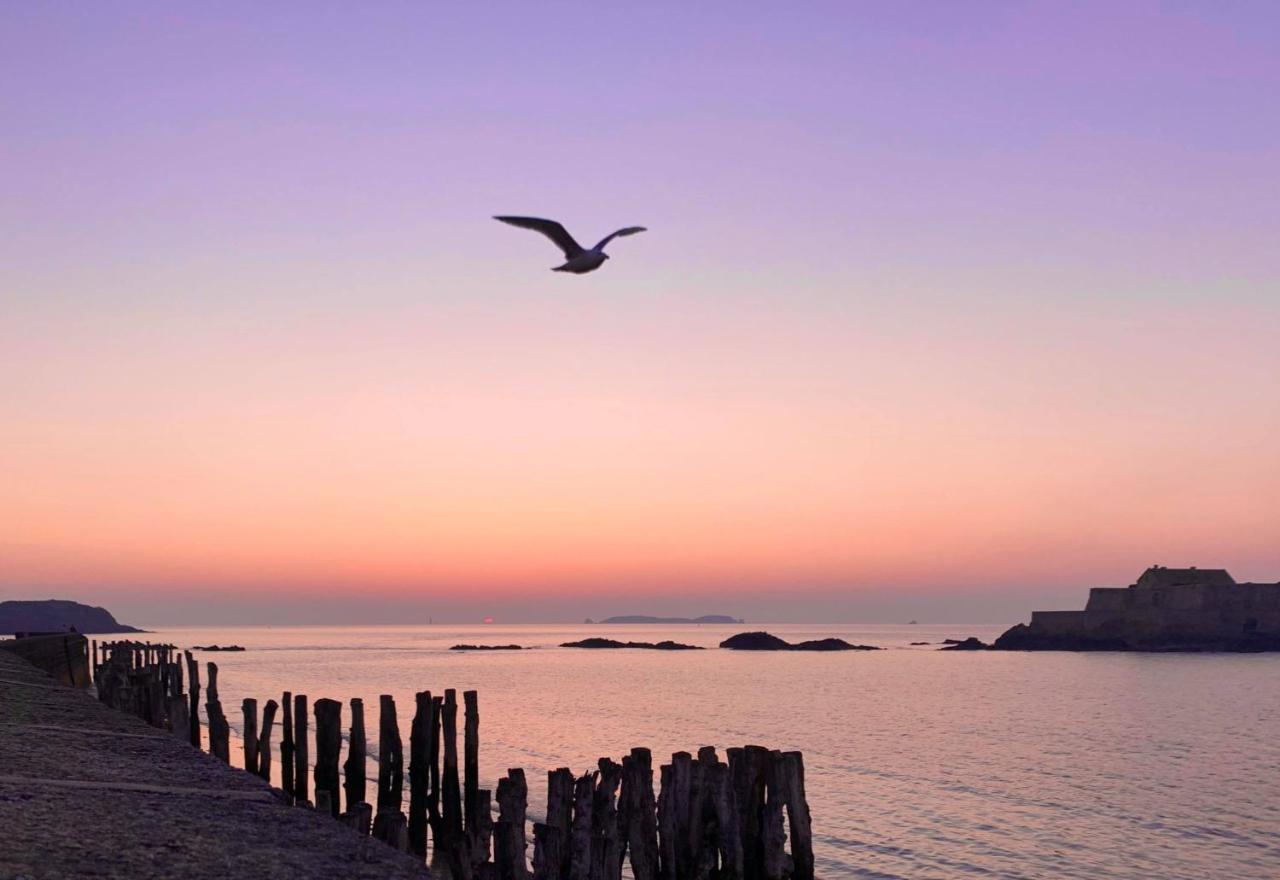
(1167, 609)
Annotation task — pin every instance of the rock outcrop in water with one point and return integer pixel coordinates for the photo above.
(58, 615)
(1167, 609)
(763, 641)
(611, 643)
(972, 643)
(486, 648)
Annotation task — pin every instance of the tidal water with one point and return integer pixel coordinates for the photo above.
(919, 764)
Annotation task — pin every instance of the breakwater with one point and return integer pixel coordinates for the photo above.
(746, 817)
(86, 791)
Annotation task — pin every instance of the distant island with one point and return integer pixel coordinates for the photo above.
(611, 643)
(486, 648)
(763, 641)
(1167, 609)
(58, 615)
(217, 647)
(644, 618)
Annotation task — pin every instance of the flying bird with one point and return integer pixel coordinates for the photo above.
(578, 259)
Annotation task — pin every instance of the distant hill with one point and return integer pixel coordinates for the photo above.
(644, 618)
(58, 615)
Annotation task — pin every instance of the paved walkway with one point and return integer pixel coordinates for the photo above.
(88, 792)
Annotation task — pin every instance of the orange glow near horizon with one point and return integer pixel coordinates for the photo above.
(669, 452)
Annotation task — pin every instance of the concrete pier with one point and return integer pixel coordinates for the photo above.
(86, 791)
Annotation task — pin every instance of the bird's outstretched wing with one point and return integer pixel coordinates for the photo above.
(551, 229)
(630, 230)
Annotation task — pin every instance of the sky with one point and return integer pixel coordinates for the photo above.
(945, 311)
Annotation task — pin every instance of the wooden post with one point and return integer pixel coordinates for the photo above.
(433, 767)
(606, 838)
(264, 739)
(480, 836)
(219, 730)
(676, 807)
(452, 796)
(470, 761)
(509, 842)
(703, 852)
(791, 775)
(354, 769)
(640, 814)
(666, 825)
(747, 769)
(550, 851)
(179, 716)
(300, 755)
(719, 790)
(193, 677)
(328, 745)
(551, 848)
(390, 757)
(419, 775)
(250, 709)
(286, 746)
(773, 835)
(580, 829)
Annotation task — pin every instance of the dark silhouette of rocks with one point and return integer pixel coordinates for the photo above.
(763, 641)
(1167, 609)
(217, 647)
(486, 648)
(644, 618)
(970, 644)
(56, 616)
(667, 645)
(919, 643)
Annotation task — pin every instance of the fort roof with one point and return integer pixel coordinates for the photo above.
(1159, 576)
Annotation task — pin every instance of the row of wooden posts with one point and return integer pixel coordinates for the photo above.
(711, 820)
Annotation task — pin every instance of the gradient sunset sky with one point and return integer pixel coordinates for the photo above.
(946, 310)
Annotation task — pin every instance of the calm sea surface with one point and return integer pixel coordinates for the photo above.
(919, 764)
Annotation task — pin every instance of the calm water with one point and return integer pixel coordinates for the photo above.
(919, 764)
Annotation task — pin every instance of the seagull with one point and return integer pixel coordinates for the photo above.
(578, 259)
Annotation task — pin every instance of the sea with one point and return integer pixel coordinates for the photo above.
(919, 763)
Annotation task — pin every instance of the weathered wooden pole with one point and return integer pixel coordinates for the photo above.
(580, 829)
(606, 834)
(470, 763)
(300, 749)
(433, 766)
(777, 864)
(480, 836)
(509, 841)
(264, 739)
(219, 729)
(328, 745)
(640, 814)
(791, 775)
(390, 757)
(353, 770)
(286, 746)
(550, 851)
(179, 716)
(250, 709)
(675, 818)
(419, 774)
(718, 786)
(551, 846)
(451, 794)
(747, 769)
(193, 677)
